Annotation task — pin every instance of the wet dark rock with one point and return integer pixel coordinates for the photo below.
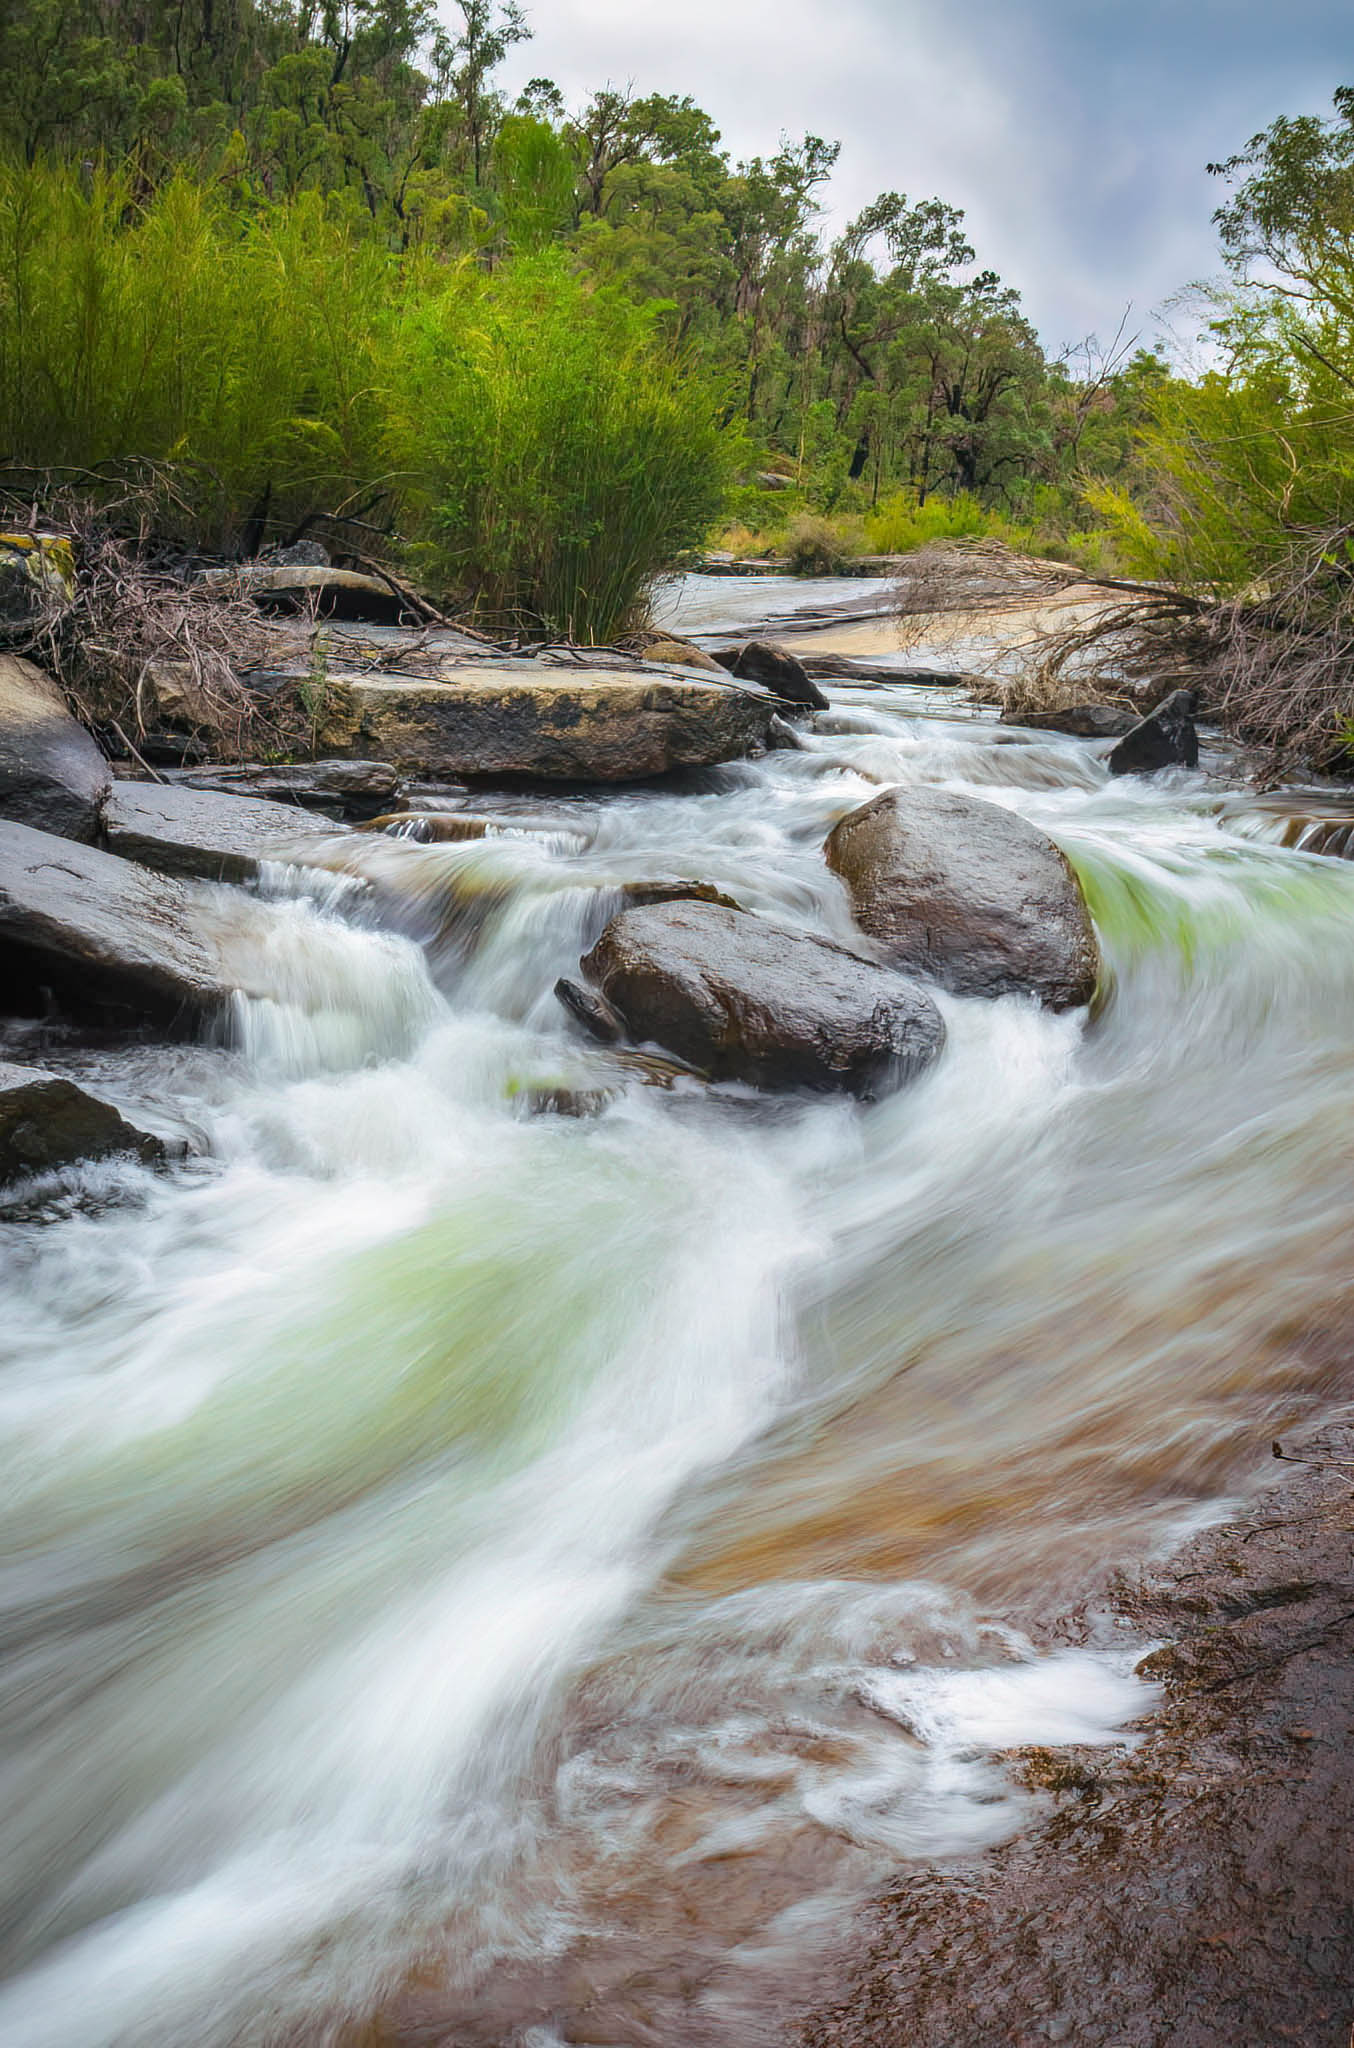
(781, 737)
(775, 670)
(51, 773)
(182, 831)
(352, 789)
(744, 1000)
(964, 891)
(591, 1010)
(48, 1121)
(1166, 738)
(677, 892)
(1082, 721)
(1194, 1891)
(562, 1099)
(108, 938)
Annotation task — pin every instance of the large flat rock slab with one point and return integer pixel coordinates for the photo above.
(557, 724)
(51, 773)
(106, 936)
(202, 833)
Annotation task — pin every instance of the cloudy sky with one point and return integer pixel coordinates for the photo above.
(1074, 133)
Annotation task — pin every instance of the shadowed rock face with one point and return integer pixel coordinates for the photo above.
(1164, 739)
(968, 893)
(109, 938)
(47, 1121)
(745, 1000)
(199, 832)
(51, 773)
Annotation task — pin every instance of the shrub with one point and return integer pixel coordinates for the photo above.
(569, 454)
(172, 329)
(814, 546)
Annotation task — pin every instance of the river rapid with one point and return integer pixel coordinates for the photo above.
(479, 1575)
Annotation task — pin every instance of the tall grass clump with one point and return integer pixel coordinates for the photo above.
(170, 328)
(569, 454)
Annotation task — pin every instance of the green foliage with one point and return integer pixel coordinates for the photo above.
(1250, 469)
(241, 350)
(538, 441)
(569, 454)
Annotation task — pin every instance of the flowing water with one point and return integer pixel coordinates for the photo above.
(473, 1575)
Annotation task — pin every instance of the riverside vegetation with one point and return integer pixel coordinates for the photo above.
(535, 355)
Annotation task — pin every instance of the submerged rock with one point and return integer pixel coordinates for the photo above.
(1082, 721)
(969, 893)
(1166, 738)
(777, 671)
(200, 832)
(106, 936)
(745, 1000)
(51, 773)
(545, 722)
(48, 1121)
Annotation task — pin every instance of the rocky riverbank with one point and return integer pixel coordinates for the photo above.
(1196, 1888)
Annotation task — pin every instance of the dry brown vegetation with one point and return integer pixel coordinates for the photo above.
(1274, 666)
(138, 633)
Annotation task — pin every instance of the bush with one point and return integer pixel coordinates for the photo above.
(900, 525)
(814, 546)
(569, 454)
(534, 441)
(172, 329)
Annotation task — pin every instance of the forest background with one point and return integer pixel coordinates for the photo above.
(313, 259)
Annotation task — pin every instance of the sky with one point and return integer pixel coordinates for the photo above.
(1074, 136)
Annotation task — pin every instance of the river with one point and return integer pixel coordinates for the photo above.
(482, 1576)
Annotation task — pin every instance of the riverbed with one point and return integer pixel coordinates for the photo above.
(482, 1575)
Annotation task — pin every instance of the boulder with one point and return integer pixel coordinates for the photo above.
(780, 673)
(48, 1121)
(200, 832)
(745, 1000)
(51, 773)
(1082, 721)
(109, 938)
(1164, 739)
(969, 893)
(544, 722)
(674, 653)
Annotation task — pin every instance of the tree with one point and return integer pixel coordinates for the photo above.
(468, 62)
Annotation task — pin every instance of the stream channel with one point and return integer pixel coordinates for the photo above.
(483, 1576)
